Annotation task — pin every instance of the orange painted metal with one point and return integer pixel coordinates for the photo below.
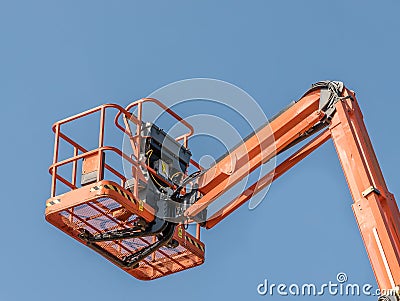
(375, 208)
(267, 179)
(139, 104)
(93, 208)
(256, 150)
(91, 164)
(106, 205)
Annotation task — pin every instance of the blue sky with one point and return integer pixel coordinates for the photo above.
(58, 58)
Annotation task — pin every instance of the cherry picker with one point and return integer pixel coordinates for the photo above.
(138, 219)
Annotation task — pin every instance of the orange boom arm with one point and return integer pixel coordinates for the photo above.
(330, 105)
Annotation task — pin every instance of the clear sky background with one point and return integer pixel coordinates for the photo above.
(58, 58)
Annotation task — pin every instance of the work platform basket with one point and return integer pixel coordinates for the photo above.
(92, 193)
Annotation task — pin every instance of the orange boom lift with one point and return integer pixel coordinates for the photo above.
(137, 219)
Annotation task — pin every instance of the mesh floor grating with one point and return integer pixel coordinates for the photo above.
(97, 216)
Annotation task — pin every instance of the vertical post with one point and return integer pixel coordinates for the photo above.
(198, 231)
(101, 133)
(153, 255)
(74, 167)
(101, 144)
(137, 150)
(55, 159)
(185, 141)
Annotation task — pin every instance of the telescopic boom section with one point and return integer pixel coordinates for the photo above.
(374, 207)
(330, 105)
(263, 145)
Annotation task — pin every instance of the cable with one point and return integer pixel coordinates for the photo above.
(149, 153)
(187, 180)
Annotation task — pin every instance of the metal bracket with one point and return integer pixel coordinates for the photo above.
(370, 190)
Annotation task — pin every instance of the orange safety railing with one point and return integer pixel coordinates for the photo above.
(80, 152)
(136, 139)
(84, 152)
